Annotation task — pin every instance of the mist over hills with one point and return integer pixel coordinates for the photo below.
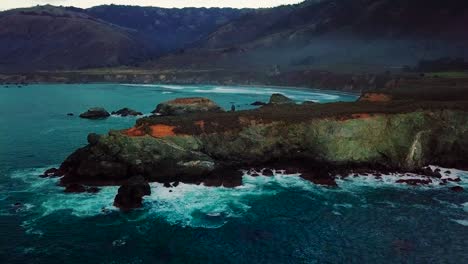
(336, 35)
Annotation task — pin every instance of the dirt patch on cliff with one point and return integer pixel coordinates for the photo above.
(134, 132)
(159, 131)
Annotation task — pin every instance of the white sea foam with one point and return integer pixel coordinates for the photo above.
(82, 204)
(195, 205)
(389, 180)
(461, 222)
(235, 90)
(163, 86)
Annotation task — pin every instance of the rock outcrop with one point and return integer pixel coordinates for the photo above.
(375, 97)
(277, 99)
(182, 106)
(258, 103)
(400, 136)
(127, 112)
(95, 113)
(130, 194)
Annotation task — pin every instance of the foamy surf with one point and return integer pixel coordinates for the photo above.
(201, 206)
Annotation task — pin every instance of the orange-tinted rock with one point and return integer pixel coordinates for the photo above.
(159, 131)
(134, 132)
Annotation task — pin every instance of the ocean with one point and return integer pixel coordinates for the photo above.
(279, 219)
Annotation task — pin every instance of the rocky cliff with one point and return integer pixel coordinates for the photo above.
(392, 135)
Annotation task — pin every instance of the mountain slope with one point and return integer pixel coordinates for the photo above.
(344, 35)
(46, 37)
(170, 28)
(67, 38)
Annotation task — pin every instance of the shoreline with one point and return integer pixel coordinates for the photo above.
(336, 91)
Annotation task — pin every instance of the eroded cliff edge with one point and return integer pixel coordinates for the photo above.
(395, 135)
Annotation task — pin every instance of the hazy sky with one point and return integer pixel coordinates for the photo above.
(8, 4)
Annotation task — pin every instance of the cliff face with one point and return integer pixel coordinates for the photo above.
(201, 144)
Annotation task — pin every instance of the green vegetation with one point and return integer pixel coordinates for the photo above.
(448, 74)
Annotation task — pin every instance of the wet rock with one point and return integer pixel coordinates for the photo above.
(415, 182)
(127, 112)
(228, 178)
(267, 172)
(95, 113)
(182, 106)
(167, 185)
(457, 189)
(277, 99)
(70, 114)
(175, 184)
(258, 103)
(52, 172)
(448, 172)
(454, 179)
(92, 190)
(130, 194)
(319, 178)
(75, 188)
(93, 139)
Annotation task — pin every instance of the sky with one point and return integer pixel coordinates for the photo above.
(9, 4)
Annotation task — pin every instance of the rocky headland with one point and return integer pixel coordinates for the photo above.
(317, 140)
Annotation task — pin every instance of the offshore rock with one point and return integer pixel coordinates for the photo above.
(258, 103)
(181, 106)
(130, 194)
(95, 113)
(52, 172)
(126, 112)
(277, 98)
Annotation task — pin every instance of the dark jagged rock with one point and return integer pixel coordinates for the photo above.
(127, 112)
(95, 113)
(75, 188)
(415, 182)
(258, 103)
(93, 139)
(277, 99)
(130, 194)
(79, 188)
(182, 106)
(267, 172)
(52, 172)
(454, 179)
(92, 189)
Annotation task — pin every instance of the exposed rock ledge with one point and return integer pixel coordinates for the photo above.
(393, 135)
